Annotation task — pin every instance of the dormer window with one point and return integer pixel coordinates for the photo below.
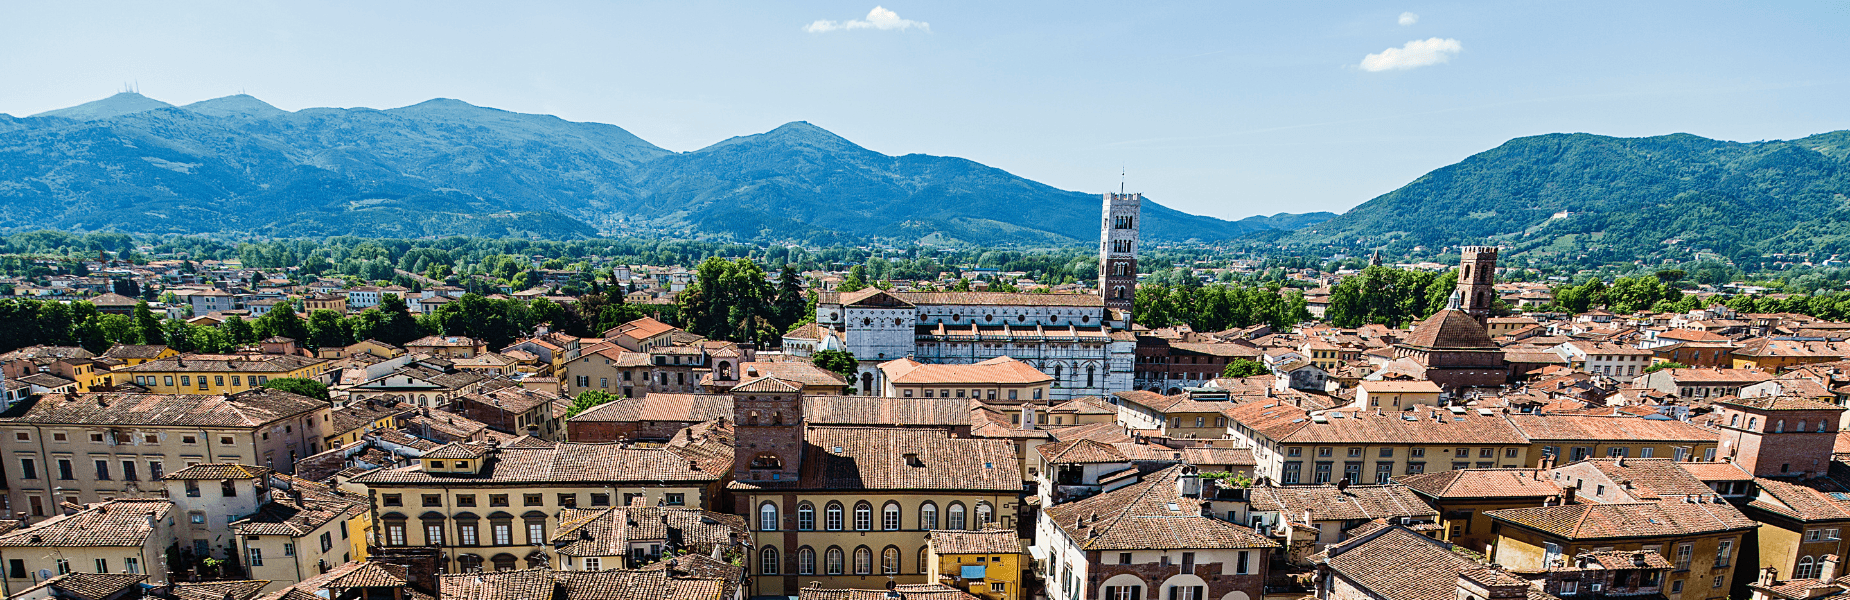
(436, 464)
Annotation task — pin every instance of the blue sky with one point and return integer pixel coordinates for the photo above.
(1221, 108)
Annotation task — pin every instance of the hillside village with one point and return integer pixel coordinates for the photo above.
(1002, 439)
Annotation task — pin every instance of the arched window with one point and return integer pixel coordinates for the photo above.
(955, 517)
(863, 516)
(1057, 371)
(863, 561)
(928, 516)
(806, 517)
(503, 562)
(985, 514)
(1804, 569)
(469, 563)
(767, 517)
(924, 559)
(1821, 425)
(867, 383)
(889, 561)
(767, 561)
(831, 516)
(832, 561)
(1753, 422)
(1734, 419)
(806, 561)
(1801, 427)
(1089, 372)
(1779, 426)
(889, 516)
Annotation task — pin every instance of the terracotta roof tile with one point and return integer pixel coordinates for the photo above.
(988, 541)
(115, 523)
(1482, 483)
(1327, 503)
(1644, 519)
(1149, 515)
(1394, 563)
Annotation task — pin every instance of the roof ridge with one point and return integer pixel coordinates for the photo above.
(1128, 506)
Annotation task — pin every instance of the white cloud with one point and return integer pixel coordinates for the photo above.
(878, 18)
(1417, 53)
(1408, 18)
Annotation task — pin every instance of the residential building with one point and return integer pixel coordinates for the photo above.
(1295, 447)
(837, 504)
(281, 534)
(1701, 539)
(127, 536)
(493, 507)
(634, 536)
(1703, 383)
(83, 448)
(1463, 496)
(1570, 438)
(447, 346)
(1390, 562)
(1309, 518)
(1149, 540)
(1778, 436)
(514, 411)
(988, 563)
(134, 354)
(998, 380)
(1618, 361)
(219, 373)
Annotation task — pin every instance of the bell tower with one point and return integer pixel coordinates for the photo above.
(1477, 273)
(1117, 251)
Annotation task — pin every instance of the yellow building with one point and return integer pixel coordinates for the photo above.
(859, 516)
(986, 563)
(1464, 497)
(498, 508)
(1571, 438)
(219, 373)
(82, 448)
(134, 354)
(1774, 356)
(1001, 379)
(1293, 446)
(1701, 540)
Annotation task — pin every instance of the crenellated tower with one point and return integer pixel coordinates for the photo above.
(1117, 251)
(1477, 274)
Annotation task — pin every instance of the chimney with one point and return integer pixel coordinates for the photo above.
(1827, 568)
(1768, 577)
(1027, 416)
(1567, 495)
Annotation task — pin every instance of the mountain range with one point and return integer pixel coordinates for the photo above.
(1592, 200)
(238, 165)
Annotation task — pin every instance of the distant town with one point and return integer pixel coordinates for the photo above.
(352, 418)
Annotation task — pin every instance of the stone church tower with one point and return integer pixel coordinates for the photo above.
(1117, 251)
(1477, 272)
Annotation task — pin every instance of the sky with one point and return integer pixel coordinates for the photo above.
(1227, 109)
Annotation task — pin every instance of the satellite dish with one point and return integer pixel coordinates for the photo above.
(44, 573)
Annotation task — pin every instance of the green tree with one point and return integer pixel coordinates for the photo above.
(239, 331)
(147, 325)
(282, 320)
(840, 362)
(396, 326)
(1241, 367)
(789, 305)
(856, 280)
(325, 330)
(587, 399)
(296, 385)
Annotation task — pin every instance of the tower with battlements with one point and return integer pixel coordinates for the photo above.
(1477, 273)
(1117, 252)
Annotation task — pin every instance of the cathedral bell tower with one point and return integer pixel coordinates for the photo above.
(1477, 273)
(1117, 252)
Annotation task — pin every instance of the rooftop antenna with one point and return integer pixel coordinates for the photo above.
(1121, 172)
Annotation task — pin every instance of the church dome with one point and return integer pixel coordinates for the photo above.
(1450, 329)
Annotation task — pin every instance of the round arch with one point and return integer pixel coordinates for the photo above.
(1123, 580)
(1236, 595)
(1183, 580)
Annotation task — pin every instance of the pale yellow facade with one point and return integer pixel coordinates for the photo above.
(867, 557)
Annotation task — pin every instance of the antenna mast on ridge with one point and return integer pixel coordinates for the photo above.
(1121, 172)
